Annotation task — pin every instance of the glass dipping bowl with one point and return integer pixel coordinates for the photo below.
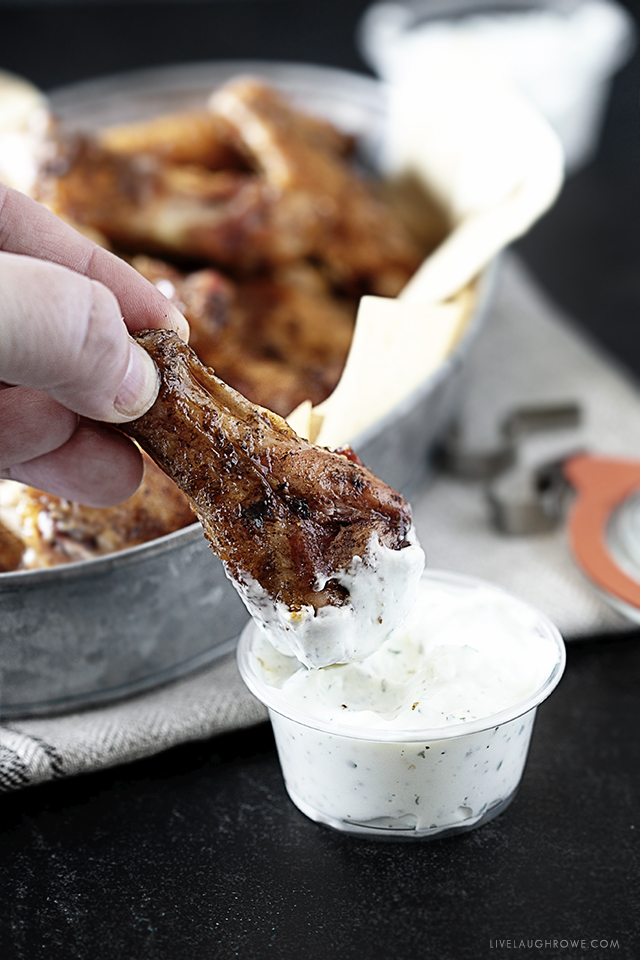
(414, 784)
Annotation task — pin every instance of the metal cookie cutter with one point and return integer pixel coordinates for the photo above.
(521, 500)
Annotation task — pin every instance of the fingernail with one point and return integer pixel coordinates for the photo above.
(140, 385)
(178, 323)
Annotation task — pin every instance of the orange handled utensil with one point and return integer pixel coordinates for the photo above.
(602, 484)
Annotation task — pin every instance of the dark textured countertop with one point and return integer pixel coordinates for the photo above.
(198, 853)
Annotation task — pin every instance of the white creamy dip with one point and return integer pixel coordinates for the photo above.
(427, 735)
(460, 656)
(382, 588)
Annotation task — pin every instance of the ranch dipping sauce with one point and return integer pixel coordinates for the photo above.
(429, 734)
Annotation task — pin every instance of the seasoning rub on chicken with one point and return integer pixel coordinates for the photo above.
(322, 552)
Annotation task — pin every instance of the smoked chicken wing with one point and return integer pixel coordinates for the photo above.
(141, 203)
(341, 221)
(321, 551)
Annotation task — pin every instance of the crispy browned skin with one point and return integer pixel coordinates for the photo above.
(274, 507)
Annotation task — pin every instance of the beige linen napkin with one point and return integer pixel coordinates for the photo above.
(528, 352)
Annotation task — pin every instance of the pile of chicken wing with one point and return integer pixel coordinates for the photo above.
(254, 219)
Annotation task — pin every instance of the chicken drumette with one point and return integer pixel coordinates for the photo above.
(322, 552)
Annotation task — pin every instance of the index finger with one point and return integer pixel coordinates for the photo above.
(28, 228)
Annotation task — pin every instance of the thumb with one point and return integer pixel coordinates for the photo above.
(64, 333)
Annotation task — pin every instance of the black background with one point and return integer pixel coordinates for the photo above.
(198, 853)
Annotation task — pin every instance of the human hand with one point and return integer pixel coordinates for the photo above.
(68, 367)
